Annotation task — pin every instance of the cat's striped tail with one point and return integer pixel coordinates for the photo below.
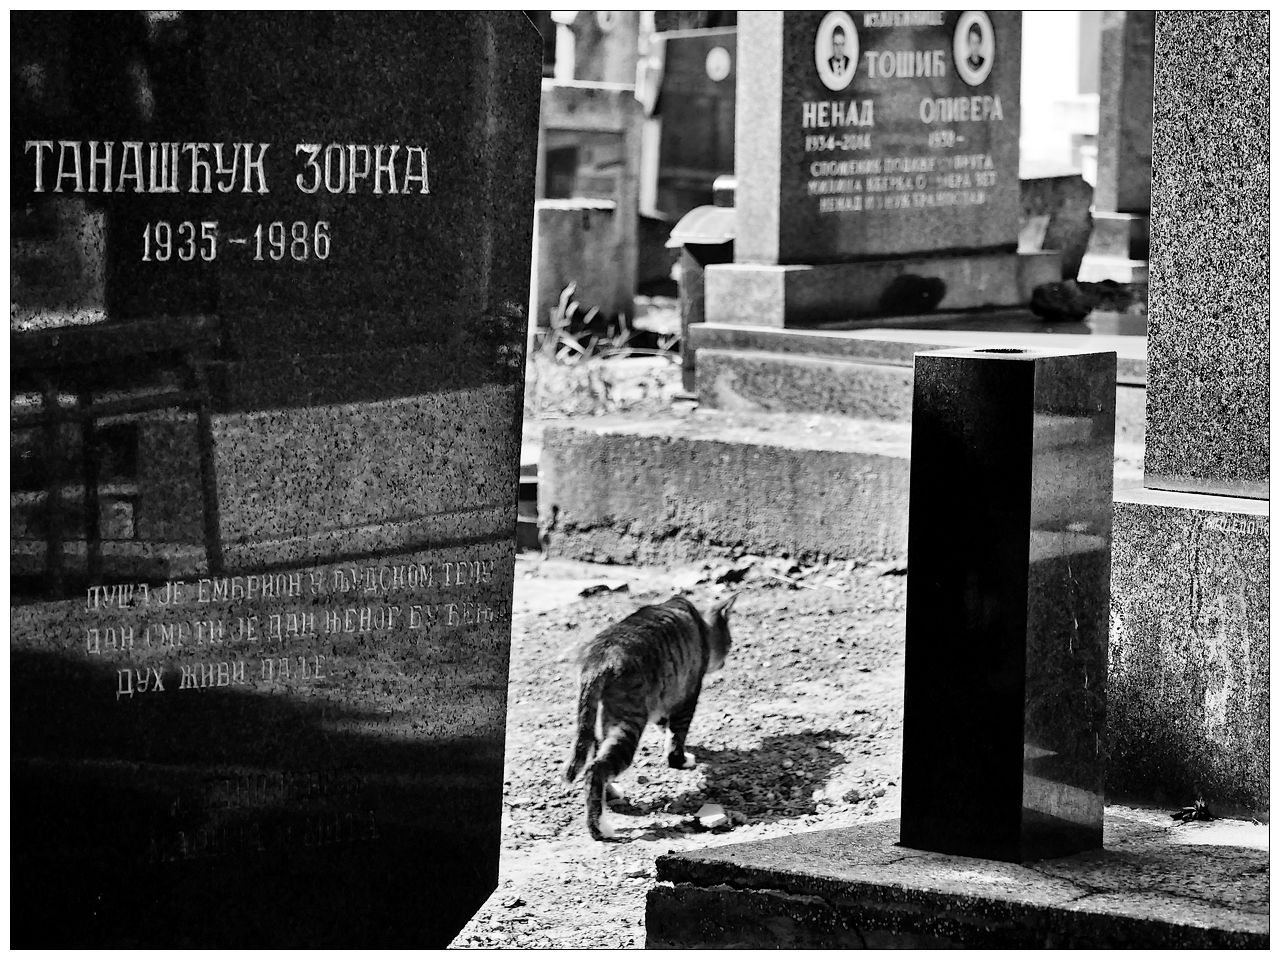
(588, 706)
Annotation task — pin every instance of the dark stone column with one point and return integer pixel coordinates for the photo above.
(1007, 601)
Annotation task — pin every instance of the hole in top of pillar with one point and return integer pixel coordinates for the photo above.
(1000, 350)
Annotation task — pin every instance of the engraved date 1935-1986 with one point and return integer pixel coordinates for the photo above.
(299, 241)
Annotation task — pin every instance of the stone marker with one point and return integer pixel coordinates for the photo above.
(1007, 601)
(889, 137)
(272, 712)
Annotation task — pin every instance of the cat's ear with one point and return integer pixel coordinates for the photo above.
(722, 608)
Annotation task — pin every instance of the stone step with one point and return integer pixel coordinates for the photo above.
(874, 342)
(1124, 235)
(880, 389)
(739, 380)
(1155, 884)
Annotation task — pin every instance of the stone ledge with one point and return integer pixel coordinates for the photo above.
(796, 383)
(898, 345)
(1122, 235)
(1154, 885)
(621, 490)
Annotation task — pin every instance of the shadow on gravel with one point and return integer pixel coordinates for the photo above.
(775, 781)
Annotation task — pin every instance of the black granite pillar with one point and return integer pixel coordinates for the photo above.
(1007, 602)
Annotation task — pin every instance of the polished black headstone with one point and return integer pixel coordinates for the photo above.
(1007, 602)
(267, 399)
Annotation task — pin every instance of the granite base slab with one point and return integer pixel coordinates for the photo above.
(1189, 674)
(797, 295)
(1154, 885)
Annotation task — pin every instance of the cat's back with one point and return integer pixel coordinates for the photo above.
(653, 636)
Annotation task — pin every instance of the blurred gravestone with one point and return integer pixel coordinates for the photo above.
(1121, 237)
(268, 288)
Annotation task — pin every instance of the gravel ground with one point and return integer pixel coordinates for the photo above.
(800, 731)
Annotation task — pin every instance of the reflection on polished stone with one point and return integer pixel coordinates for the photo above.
(1007, 602)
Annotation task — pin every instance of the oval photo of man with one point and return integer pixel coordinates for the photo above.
(835, 50)
(974, 47)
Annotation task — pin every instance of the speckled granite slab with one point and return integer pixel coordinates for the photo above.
(1209, 327)
(302, 747)
(1154, 885)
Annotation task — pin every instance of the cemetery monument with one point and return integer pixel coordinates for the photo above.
(268, 305)
(877, 168)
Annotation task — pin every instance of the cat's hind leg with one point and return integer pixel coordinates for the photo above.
(599, 824)
(612, 758)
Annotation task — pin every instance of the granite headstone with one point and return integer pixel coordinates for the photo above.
(893, 136)
(877, 167)
(271, 431)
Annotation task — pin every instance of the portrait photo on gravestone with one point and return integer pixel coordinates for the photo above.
(613, 479)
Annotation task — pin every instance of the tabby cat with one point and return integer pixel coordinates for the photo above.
(645, 669)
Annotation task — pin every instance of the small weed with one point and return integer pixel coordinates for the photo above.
(569, 373)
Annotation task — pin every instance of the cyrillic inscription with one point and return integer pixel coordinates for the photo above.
(206, 636)
(132, 166)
